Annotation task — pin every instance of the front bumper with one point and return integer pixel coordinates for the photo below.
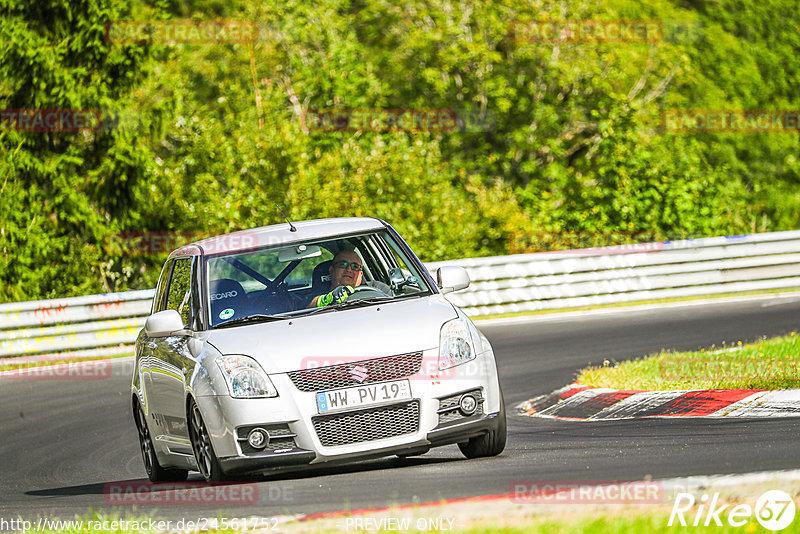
(438, 422)
(460, 432)
(242, 464)
(455, 433)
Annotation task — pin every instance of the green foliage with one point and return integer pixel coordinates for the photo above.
(553, 140)
(61, 190)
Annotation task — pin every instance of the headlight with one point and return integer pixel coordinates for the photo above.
(245, 378)
(455, 344)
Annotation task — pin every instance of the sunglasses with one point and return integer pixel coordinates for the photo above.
(344, 265)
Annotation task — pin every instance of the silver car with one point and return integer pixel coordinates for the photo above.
(252, 361)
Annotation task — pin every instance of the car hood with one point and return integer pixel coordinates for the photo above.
(351, 334)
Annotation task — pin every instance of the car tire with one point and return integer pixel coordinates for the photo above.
(207, 462)
(490, 444)
(155, 472)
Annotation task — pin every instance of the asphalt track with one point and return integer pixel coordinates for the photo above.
(63, 441)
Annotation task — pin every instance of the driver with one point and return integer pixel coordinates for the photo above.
(347, 273)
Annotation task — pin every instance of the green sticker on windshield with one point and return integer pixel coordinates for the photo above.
(227, 313)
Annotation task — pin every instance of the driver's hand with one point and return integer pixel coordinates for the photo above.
(338, 295)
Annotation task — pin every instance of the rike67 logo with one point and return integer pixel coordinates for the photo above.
(774, 510)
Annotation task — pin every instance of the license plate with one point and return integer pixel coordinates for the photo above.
(365, 395)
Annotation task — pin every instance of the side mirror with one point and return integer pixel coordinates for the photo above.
(163, 323)
(451, 278)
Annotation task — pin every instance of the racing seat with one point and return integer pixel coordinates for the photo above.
(227, 294)
(321, 278)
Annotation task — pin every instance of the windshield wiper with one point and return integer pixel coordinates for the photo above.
(354, 303)
(257, 318)
(309, 311)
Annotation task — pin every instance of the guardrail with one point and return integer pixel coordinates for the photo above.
(105, 325)
(528, 282)
(76, 327)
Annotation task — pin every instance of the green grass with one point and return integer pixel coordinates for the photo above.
(767, 364)
(632, 523)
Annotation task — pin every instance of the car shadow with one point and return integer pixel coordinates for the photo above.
(377, 464)
(144, 486)
(98, 488)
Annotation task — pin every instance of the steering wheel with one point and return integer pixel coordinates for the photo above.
(364, 290)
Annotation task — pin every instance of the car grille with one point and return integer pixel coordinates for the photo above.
(280, 438)
(448, 407)
(338, 376)
(367, 425)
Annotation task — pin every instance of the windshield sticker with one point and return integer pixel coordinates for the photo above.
(227, 313)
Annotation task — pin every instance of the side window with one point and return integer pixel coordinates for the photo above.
(374, 254)
(179, 296)
(161, 288)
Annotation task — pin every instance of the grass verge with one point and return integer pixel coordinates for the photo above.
(506, 516)
(766, 364)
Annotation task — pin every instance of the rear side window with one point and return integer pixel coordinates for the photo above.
(179, 295)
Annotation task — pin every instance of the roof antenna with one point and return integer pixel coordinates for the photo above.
(291, 226)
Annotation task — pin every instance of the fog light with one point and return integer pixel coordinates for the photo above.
(467, 404)
(258, 438)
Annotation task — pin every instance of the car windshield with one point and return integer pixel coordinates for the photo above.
(281, 282)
